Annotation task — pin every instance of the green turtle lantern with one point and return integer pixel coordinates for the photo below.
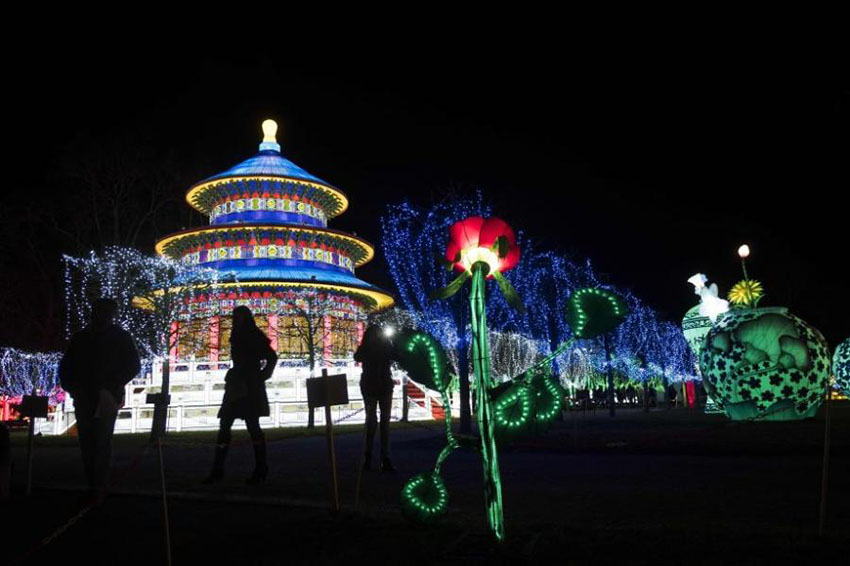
(764, 363)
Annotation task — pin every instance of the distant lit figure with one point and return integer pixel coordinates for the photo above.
(376, 352)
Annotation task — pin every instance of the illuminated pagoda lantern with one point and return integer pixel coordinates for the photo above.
(269, 227)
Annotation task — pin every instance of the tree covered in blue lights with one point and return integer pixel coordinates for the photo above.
(644, 348)
(29, 373)
(411, 240)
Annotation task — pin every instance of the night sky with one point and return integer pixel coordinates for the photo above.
(654, 166)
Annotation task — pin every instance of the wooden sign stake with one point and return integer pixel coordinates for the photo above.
(329, 432)
(327, 391)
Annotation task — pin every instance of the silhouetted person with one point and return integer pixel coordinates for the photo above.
(245, 393)
(701, 394)
(599, 397)
(672, 393)
(100, 360)
(376, 352)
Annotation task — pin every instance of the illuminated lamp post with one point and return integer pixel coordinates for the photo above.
(744, 253)
(749, 291)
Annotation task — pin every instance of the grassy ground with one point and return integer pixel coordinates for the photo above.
(666, 486)
(19, 437)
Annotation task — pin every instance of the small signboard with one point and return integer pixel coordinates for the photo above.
(157, 398)
(34, 406)
(327, 391)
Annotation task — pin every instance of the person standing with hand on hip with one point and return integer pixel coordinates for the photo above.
(245, 395)
(100, 360)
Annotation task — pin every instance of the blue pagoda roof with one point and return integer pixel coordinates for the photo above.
(282, 276)
(298, 275)
(268, 163)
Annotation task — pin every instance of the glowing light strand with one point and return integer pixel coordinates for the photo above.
(410, 238)
(169, 288)
(26, 373)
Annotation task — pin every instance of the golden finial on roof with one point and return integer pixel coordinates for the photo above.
(269, 136)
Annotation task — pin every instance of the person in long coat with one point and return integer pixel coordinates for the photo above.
(100, 360)
(245, 392)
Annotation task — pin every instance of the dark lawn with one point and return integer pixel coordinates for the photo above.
(668, 486)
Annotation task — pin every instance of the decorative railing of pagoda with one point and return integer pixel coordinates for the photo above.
(248, 240)
(207, 195)
(272, 254)
(259, 209)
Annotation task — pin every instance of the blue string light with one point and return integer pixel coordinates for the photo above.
(643, 347)
(28, 373)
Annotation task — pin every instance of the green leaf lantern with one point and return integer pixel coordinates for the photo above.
(592, 312)
(424, 360)
(549, 402)
(424, 498)
(527, 405)
(513, 410)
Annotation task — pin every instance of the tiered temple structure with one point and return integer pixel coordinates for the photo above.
(269, 227)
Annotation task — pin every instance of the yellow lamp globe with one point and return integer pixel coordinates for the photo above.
(269, 131)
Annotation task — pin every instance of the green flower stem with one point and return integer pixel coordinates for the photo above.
(749, 300)
(451, 443)
(484, 409)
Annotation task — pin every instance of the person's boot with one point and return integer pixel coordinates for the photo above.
(367, 462)
(387, 465)
(261, 467)
(218, 465)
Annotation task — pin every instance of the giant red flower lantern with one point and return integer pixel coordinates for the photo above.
(482, 248)
(475, 239)
(481, 244)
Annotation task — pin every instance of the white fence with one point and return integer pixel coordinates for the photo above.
(197, 389)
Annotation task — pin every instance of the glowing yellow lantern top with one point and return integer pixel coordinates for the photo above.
(270, 136)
